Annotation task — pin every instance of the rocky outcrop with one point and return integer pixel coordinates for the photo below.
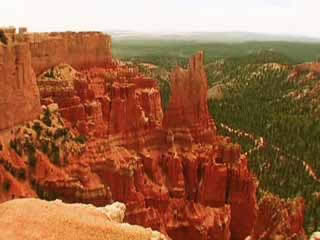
(80, 50)
(116, 102)
(279, 219)
(37, 219)
(308, 67)
(19, 94)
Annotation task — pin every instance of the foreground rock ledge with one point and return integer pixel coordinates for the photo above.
(33, 219)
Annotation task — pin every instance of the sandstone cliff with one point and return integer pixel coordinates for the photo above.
(19, 94)
(80, 50)
(31, 219)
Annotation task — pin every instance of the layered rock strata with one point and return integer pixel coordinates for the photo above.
(81, 50)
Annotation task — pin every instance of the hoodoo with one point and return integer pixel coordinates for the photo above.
(188, 108)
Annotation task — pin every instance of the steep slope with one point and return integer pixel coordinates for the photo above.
(19, 98)
(81, 50)
(188, 107)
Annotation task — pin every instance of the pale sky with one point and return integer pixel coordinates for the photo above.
(296, 17)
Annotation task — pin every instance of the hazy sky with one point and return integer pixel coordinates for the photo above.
(297, 17)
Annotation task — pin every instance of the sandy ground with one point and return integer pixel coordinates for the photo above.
(34, 219)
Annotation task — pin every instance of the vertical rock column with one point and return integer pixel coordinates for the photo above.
(19, 94)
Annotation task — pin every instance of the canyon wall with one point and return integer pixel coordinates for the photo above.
(19, 94)
(24, 53)
(80, 50)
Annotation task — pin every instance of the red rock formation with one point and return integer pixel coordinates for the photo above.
(101, 102)
(308, 67)
(242, 198)
(156, 170)
(80, 50)
(188, 104)
(278, 218)
(312, 71)
(166, 183)
(173, 172)
(19, 95)
(224, 176)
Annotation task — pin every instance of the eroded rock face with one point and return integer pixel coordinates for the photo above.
(279, 219)
(80, 50)
(116, 103)
(181, 188)
(182, 183)
(308, 67)
(102, 137)
(37, 219)
(19, 94)
(188, 106)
